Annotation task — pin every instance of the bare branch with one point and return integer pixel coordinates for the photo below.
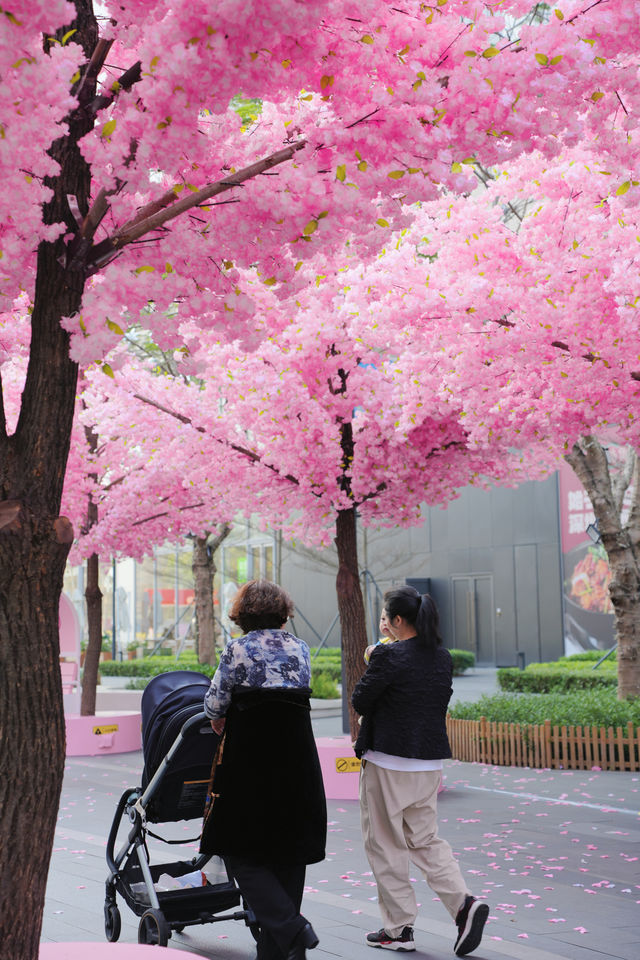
(243, 451)
(94, 66)
(156, 516)
(142, 224)
(124, 82)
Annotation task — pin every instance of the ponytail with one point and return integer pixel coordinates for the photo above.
(420, 611)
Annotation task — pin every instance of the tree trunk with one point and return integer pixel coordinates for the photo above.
(621, 540)
(34, 543)
(93, 601)
(204, 570)
(353, 625)
(93, 598)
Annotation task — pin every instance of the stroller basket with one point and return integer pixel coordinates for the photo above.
(178, 747)
(189, 905)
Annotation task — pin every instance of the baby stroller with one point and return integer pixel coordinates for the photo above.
(178, 747)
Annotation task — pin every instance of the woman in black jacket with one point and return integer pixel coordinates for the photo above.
(403, 698)
(269, 818)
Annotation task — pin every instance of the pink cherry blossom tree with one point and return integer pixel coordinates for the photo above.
(331, 419)
(119, 148)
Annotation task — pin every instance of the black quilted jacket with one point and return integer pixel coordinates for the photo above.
(402, 698)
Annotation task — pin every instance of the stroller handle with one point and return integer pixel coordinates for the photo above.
(193, 723)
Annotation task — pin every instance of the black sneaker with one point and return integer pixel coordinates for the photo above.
(383, 939)
(470, 921)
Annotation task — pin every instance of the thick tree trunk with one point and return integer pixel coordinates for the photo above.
(93, 598)
(93, 601)
(350, 606)
(34, 543)
(203, 565)
(621, 540)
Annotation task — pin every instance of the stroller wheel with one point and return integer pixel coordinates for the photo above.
(153, 928)
(112, 922)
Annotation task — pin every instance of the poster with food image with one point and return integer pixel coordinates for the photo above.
(588, 615)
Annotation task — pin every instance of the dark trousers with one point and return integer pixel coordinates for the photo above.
(274, 893)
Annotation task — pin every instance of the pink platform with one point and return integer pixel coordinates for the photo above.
(340, 767)
(113, 732)
(103, 951)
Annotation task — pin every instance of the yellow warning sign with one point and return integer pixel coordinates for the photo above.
(109, 728)
(347, 764)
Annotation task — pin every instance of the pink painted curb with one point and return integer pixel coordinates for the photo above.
(106, 732)
(340, 767)
(103, 951)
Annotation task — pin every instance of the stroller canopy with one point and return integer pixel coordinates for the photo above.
(169, 700)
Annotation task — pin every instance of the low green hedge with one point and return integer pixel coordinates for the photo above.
(462, 660)
(579, 708)
(545, 678)
(323, 676)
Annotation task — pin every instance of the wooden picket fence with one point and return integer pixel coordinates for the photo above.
(529, 745)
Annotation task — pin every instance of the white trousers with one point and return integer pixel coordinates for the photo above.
(398, 811)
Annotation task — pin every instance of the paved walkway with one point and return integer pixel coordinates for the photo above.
(556, 854)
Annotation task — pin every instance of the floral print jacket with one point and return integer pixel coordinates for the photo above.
(262, 658)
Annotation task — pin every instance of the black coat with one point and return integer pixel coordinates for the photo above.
(271, 806)
(403, 697)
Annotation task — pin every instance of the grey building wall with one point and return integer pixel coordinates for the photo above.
(492, 559)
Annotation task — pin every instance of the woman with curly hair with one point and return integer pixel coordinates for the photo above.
(268, 819)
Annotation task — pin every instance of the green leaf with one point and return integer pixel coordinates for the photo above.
(490, 52)
(108, 370)
(382, 222)
(108, 129)
(396, 174)
(622, 189)
(341, 173)
(542, 59)
(367, 38)
(115, 328)
(310, 228)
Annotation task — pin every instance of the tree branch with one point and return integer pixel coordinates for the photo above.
(124, 82)
(243, 451)
(141, 225)
(156, 516)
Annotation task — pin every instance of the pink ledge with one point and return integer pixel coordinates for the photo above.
(340, 767)
(106, 732)
(102, 951)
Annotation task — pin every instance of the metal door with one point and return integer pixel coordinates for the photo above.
(473, 623)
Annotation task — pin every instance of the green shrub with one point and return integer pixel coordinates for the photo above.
(326, 653)
(544, 679)
(323, 686)
(565, 664)
(589, 655)
(323, 676)
(330, 667)
(580, 708)
(151, 666)
(462, 660)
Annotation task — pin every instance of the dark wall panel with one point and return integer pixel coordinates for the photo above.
(526, 599)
